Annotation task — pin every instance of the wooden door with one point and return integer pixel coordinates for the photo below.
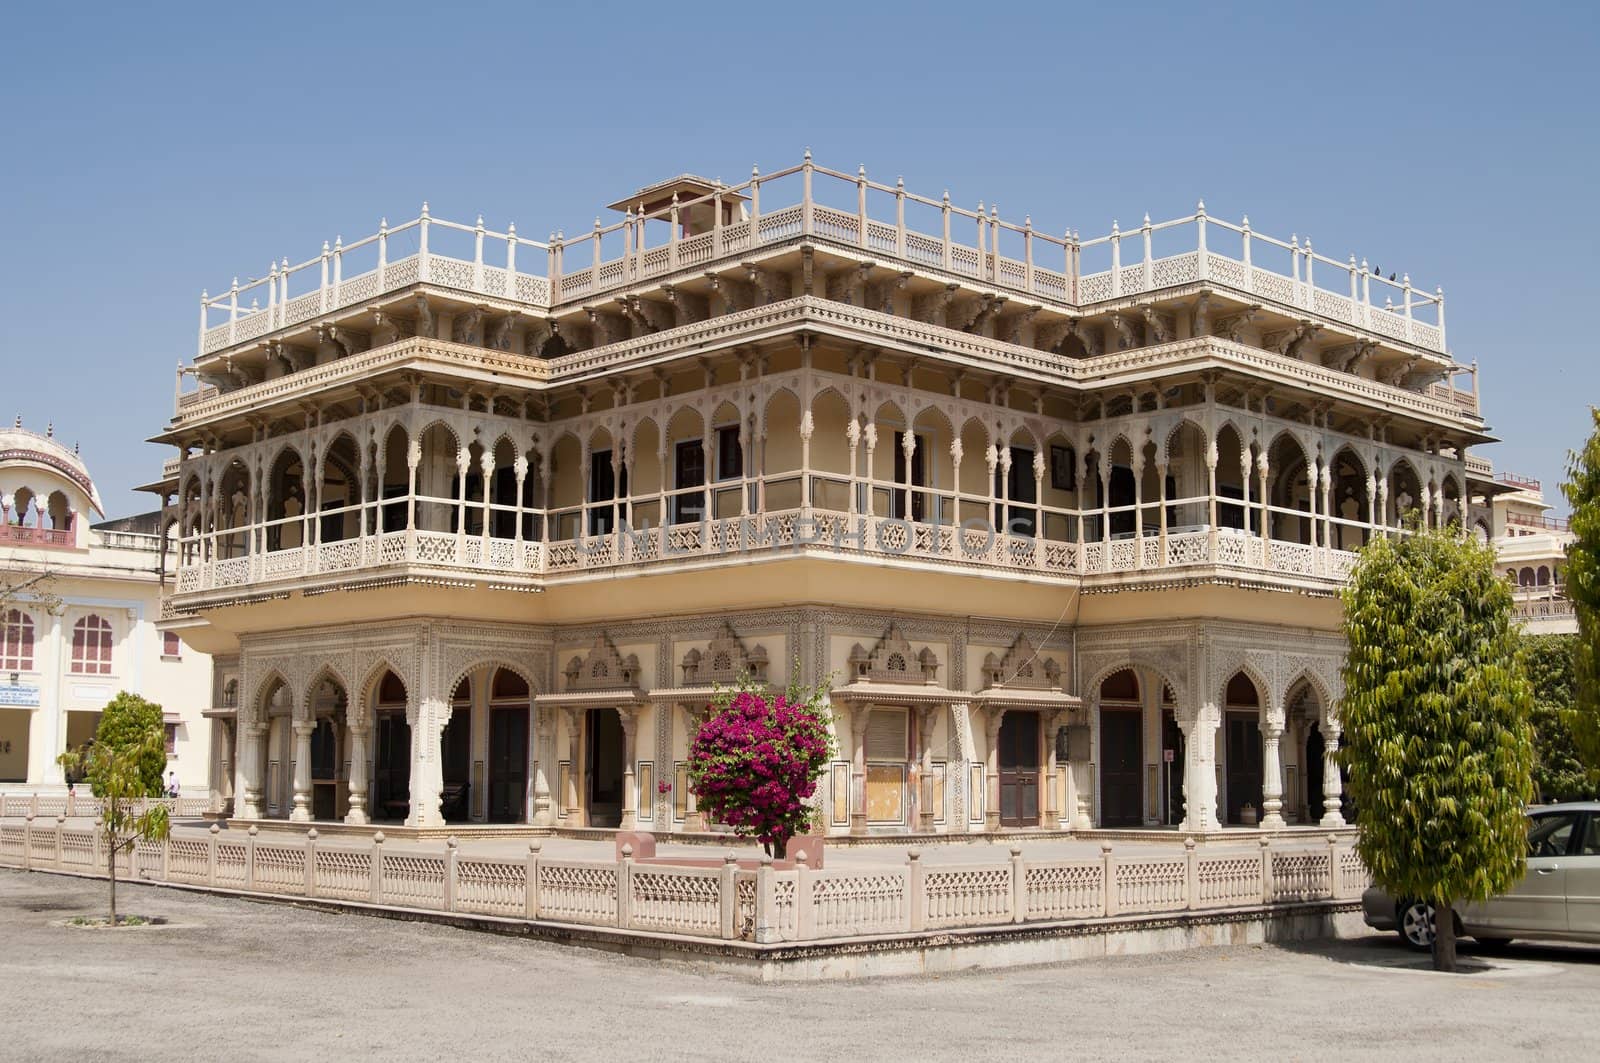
(1019, 769)
(508, 765)
(391, 783)
(1121, 767)
(1244, 765)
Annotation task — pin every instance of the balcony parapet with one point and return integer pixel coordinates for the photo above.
(814, 533)
(841, 319)
(794, 204)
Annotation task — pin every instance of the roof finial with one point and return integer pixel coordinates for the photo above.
(50, 430)
(75, 447)
(19, 421)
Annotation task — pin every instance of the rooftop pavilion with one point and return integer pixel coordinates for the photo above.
(683, 240)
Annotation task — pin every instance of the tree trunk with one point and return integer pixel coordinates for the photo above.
(111, 861)
(1444, 938)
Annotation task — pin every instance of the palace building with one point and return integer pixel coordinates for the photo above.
(78, 622)
(475, 524)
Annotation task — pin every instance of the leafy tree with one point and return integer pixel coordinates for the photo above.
(1559, 773)
(1435, 713)
(757, 758)
(1583, 588)
(117, 771)
(126, 724)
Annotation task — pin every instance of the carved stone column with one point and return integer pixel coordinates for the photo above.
(630, 781)
(1272, 776)
(301, 813)
(360, 731)
(1200, 771)
(858, 769)
(1332, 784)
(927, 717)
(574, 786)
(251, 735)
(427, 721)
(544, 728)
(1049, 813)
(694, 820)
(991, 753)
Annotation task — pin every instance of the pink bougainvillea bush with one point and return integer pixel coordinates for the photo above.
(757, 758)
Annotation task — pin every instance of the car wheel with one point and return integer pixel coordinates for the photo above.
(1414, 921)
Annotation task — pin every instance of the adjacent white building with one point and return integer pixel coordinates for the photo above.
(81, 623)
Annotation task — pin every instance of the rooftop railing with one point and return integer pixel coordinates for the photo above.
(1528, 520)
(829, 205)
(1528, 483)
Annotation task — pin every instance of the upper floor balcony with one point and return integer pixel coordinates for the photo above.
(815, 464)
(674, 233)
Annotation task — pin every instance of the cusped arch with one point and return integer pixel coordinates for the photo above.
(326, 671)
(1251, 670)
(1318, 685)
(374, 676)
(1091, 689)
(491, 663)
(1183, 422)
(440, 422)
(266, 687)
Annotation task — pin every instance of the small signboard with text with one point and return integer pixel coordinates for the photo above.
(16, 695)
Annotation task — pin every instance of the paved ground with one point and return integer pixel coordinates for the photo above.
(243, 981)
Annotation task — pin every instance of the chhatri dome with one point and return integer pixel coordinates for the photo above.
(43, 483)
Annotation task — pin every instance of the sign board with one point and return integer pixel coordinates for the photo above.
(15, 695)
(1168, 755)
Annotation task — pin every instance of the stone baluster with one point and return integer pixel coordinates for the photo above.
(1202, 258)
(945, 219)
(510, 290)
(1332, 784)
(861, 205)
(1272, 775)
(1148, 234)
(301, 812)
(900, 217)
(423, 221)
(360, 730)
(1116, 259)
(630, 783)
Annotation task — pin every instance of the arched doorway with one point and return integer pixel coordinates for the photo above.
(604, 767)
(1121, 745)
(510, 702)
(1173, 744)
(1243, 751)
(391, 751)
(328, 786)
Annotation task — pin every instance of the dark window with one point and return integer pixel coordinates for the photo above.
(603, 488)
(1063, 468)
(730, 456)
(690, 466)
(1020, 516)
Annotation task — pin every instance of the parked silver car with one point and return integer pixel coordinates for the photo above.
(1558, 898)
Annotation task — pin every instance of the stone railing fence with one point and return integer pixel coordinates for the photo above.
(728, 900)
(76, 804)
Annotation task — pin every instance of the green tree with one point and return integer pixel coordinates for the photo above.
(1559, 773)
(117, 772)
(1583, 588)
(1435, 713)
(126, 724)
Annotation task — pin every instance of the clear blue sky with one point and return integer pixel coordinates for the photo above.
(150, 151)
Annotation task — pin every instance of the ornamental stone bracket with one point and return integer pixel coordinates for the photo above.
(893, 661)
(724, 661)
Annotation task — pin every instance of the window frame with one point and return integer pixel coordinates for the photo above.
(18, 657)
(171, 646)
(80, 662)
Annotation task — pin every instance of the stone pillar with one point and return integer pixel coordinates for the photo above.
(1272, 776)
(250, 736)
(360, 730)
(574, 787)
(301, 813)
(1332, 784)
(991, 753)
(858, 769)
(630, 781)
(544, 724)
(1200, 771)
(1049, 813)
(428, 720)
(927, 718)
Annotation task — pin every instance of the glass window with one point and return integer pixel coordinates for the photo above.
(16, 642)
(171, 645)
(1550, 834)
(91, 646)
(730, 456)
(1590, 846)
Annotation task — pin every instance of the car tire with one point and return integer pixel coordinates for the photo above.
(1413, 921)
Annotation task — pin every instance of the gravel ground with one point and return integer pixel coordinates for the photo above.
(238, 980)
